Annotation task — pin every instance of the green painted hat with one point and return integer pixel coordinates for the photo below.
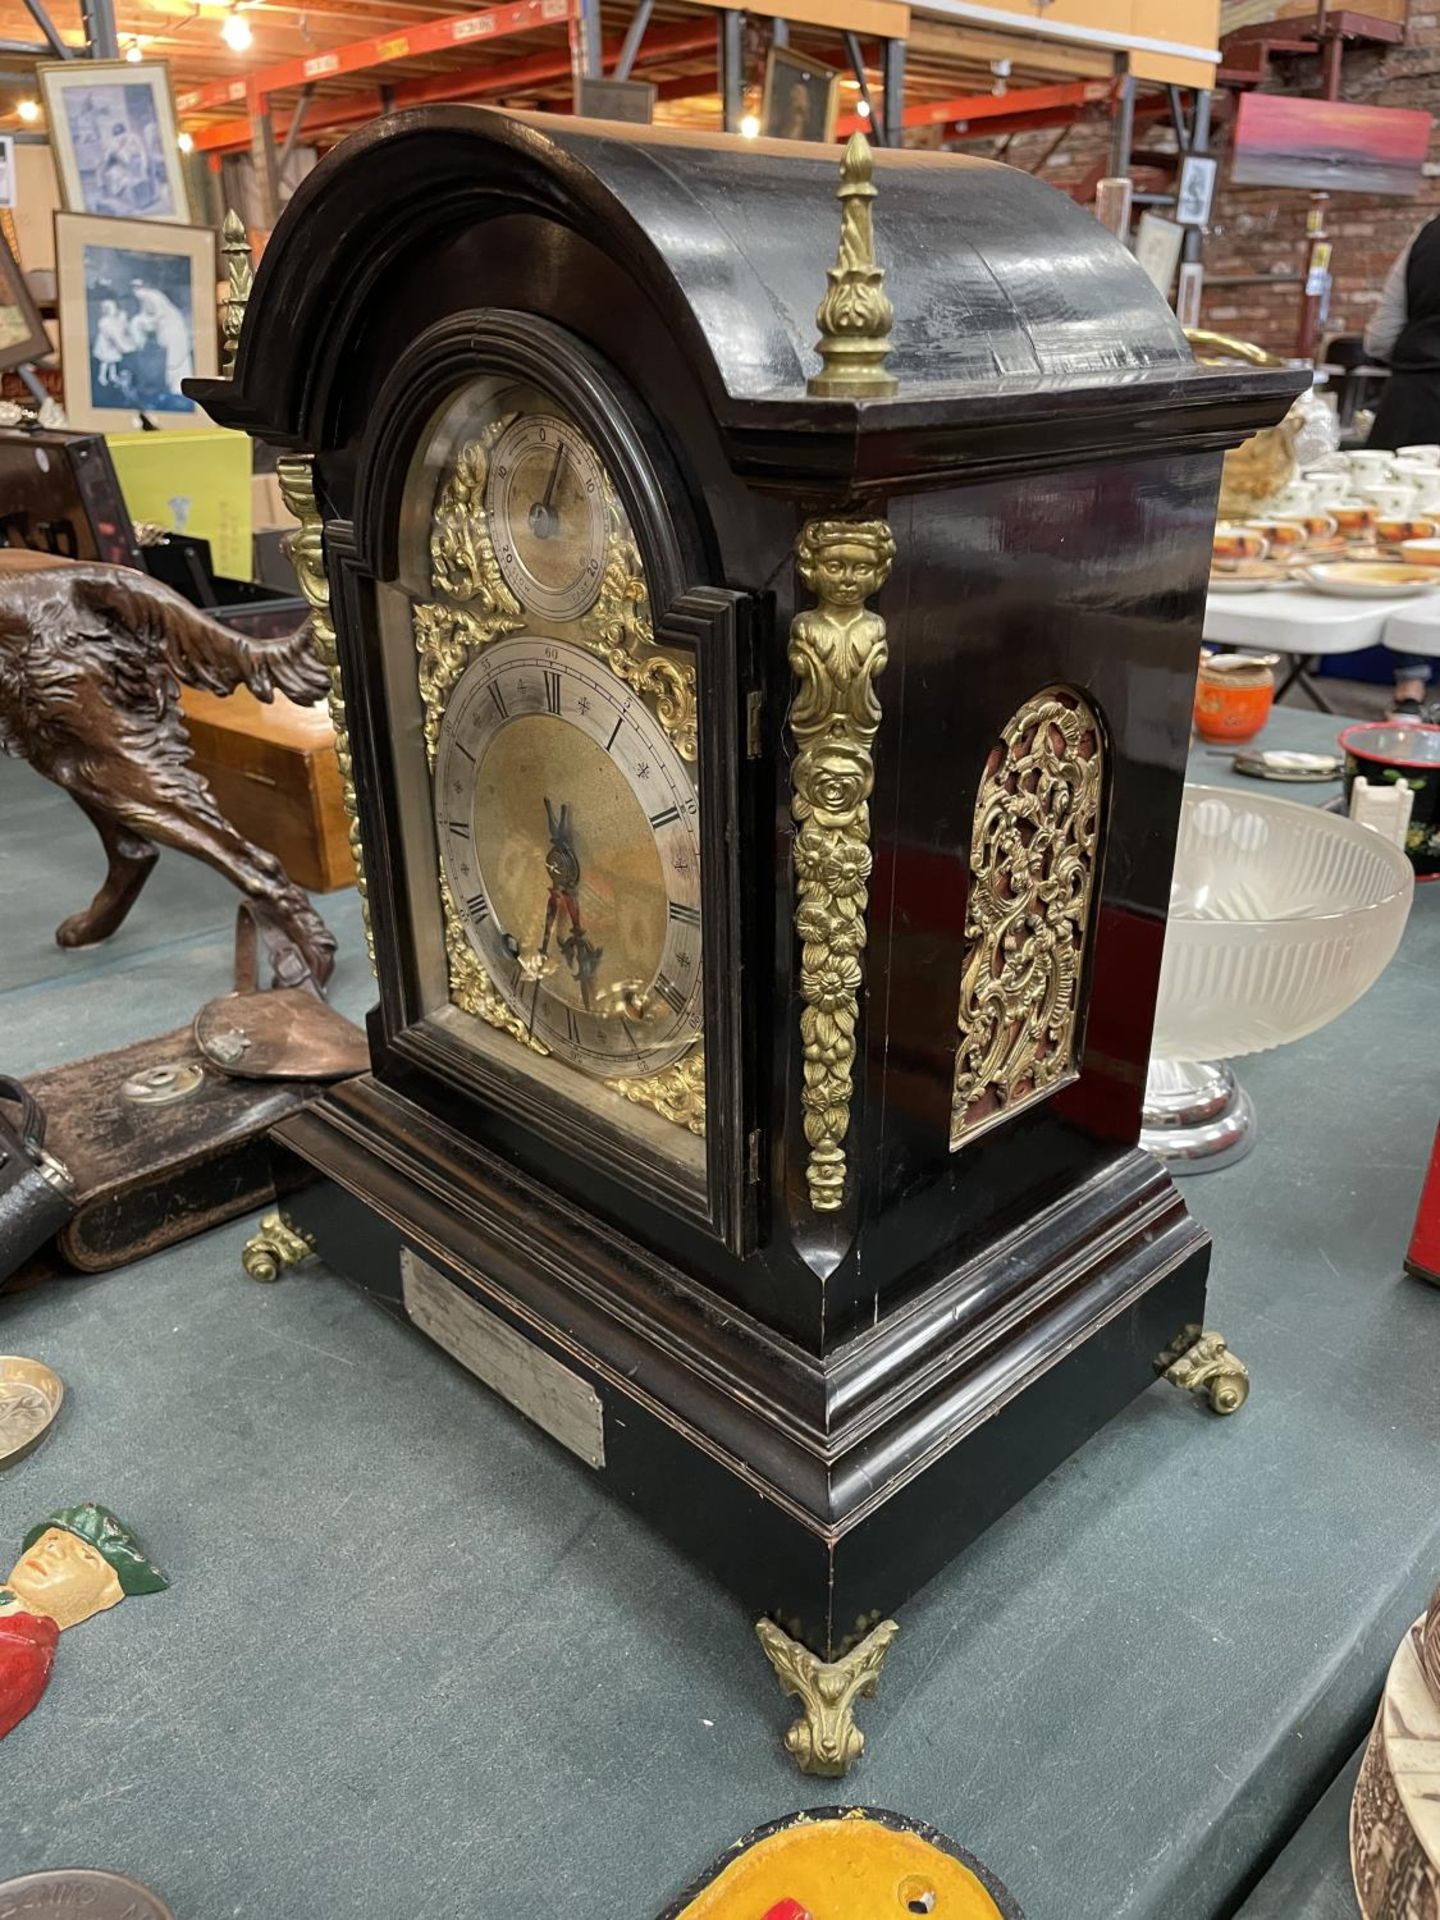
(111, 1539)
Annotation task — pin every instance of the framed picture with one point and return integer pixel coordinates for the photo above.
(114, 137)
(137, 319)
(22, 332)
(802, 98)
(7, 170)
(1157, 248)
(632, 100)
(1196, 190)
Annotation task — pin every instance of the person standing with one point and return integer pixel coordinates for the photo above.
(1404, 331)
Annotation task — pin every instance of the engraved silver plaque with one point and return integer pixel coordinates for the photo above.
(534, 1382)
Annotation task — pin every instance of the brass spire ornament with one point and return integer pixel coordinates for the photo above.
(855, 315)
(235, 245)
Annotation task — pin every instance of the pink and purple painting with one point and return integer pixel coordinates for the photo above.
(1330, 146)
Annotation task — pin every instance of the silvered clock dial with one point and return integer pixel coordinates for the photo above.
(568, 833)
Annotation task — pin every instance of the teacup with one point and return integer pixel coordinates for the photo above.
(1391, 529)
(1282, 536)
(1421, 552)
(1369, 469)
(1232, 544)
(1427, 452)
(1354, 520)
(1390, 499)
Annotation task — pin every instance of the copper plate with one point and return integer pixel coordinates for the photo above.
(30, 1396)
(83, 1892)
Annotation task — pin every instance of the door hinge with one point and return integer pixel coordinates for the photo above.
(754, 706)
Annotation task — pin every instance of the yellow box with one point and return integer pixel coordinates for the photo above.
(196, 483)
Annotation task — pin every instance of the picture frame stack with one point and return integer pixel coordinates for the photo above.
(135, 276)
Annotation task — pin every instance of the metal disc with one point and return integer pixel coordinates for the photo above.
(83, 1892)
(30, 1396)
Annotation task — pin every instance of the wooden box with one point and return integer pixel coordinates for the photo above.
(274, 773)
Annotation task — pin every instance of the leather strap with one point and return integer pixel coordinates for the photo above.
(31, 1131)
(256, 926)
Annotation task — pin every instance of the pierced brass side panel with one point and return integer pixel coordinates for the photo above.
(1032, 885)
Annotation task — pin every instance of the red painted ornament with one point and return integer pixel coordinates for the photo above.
(27, 1653)
(788, 1910)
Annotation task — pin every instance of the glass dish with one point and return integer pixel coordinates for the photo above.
(1281, 916)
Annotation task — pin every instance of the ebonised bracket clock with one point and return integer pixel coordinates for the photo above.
(765, 756)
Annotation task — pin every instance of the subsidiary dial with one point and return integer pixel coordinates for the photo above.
(546, 501)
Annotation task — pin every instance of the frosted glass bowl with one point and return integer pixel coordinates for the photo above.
(1281, 916)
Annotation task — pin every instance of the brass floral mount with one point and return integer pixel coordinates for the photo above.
(274, 1247)
(1032, 876)
(618, 628)
(306, 546)
(837, 652)
(235, 245)
(855, 316)
(1199, 1361)
(825, 1739)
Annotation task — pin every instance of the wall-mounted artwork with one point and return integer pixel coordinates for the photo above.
(115, 139)
(802, 98)
(1332, 146)
(137, 319)
(22, 333)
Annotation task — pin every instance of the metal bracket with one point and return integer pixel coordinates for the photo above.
(1199, 1361)
(274, 1248)
(825, 1739)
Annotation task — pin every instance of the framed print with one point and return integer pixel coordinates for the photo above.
(22, 332)
(1157, 248)
(7, 170)
(1196, 190)
(802, 98)
(115, 139)
(137, 319)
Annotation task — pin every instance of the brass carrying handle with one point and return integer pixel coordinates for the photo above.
(1224, 346)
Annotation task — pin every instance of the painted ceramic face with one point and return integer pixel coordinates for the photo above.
(64, 1577)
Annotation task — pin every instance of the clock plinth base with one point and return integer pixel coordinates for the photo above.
(807, 1517)
(825, 1739)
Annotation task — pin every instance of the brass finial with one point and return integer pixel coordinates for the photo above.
(235, 245)
(855, 316)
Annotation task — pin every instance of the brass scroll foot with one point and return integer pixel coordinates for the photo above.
(274, 1247)
(1199, 1361)
(825, 1739)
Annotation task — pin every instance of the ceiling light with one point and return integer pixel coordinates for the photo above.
(862, 107)
(28, 110)
(186, 143)
(749, 127)
(133, 52)
(236, 31)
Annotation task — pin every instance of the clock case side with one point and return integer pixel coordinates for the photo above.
(612, 1172)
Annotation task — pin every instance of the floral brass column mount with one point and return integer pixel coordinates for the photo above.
(837, 652)
(296, 475)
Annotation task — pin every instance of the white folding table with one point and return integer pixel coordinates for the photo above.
(1307, 625)
(1414, 626)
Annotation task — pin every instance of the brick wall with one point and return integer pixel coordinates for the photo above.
(1260, 231)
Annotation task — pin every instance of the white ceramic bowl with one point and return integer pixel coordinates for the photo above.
(1281, 916)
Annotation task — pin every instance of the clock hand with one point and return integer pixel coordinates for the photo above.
(562, 863)
(544, 520)
(554, 476)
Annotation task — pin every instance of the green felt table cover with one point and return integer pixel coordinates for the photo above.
(411, 1662)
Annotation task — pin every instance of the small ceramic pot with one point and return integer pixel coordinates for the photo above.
(1388, 752)
(1233, 696)
(1238, 543)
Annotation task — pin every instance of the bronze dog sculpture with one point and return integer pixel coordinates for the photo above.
(91, 658)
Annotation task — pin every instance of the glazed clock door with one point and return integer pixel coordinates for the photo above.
(562, 692)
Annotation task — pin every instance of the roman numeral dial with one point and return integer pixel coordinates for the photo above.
(576, 865)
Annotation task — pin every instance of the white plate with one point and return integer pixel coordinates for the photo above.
(1333, 581)
(1237, 583)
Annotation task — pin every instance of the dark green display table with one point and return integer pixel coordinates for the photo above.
(411, 1664)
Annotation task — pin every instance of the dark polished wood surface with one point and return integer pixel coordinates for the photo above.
(823, 1406)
